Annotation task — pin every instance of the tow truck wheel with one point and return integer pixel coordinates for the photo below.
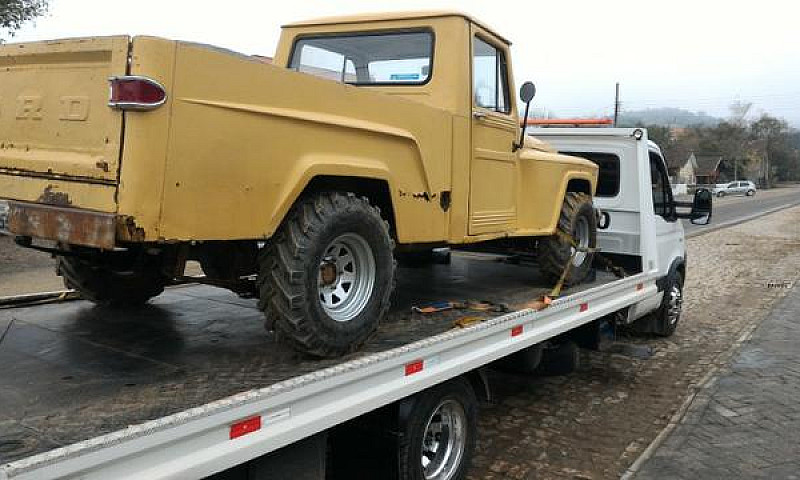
(525, 361)
(327, 275)
(560, 359)
(115, 278)
(669, 313)
(439, 427)
(577, 221)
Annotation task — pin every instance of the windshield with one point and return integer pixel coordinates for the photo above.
(392, 58)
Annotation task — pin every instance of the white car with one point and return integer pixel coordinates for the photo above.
(747, 188)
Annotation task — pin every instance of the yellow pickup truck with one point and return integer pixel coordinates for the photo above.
(128, 156)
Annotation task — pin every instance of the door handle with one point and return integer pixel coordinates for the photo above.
(478, 114)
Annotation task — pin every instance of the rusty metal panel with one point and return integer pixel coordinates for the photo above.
(68, 225)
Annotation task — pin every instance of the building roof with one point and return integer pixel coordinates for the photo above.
(390, 16)
(677, 162)
(707, 164)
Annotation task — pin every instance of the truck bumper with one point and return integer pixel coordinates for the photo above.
(63, 224)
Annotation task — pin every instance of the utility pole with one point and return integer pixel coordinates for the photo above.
(616, 106)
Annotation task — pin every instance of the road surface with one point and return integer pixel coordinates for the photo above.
(729, 210)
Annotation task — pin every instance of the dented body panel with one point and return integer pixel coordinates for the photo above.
(238, 141)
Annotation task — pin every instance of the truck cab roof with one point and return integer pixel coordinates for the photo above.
(392, 16)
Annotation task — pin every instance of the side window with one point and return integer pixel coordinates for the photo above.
(662, 193)
(608, 173)
(489, 77)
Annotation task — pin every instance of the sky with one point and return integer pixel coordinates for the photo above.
(699, 55)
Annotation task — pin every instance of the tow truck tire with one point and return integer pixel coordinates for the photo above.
(669, 312)
(525, 361)
(577, 220)
(120, 281)
(438, 432)
(561, 359)
(327, 275)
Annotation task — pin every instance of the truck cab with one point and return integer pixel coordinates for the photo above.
(641, 228)
(456, 63)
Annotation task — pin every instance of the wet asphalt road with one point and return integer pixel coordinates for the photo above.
(728, 210)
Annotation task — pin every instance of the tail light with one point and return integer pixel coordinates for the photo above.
(131, 92)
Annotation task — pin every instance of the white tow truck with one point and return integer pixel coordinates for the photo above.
(186, 388)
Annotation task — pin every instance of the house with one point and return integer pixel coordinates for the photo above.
(687, 173)
(680, 170)
(707, 170)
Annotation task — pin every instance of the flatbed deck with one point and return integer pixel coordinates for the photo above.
(73, 371)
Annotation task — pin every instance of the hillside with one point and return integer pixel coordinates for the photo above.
(667, 116)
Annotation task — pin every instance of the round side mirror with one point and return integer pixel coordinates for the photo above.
(527, 92)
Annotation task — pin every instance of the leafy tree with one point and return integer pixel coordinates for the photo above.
(14, 13)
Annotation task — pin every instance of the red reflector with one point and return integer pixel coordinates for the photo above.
(414, 367)
(516, 331)
(639, 286)
(245, 426)
(584, 307)
(136, 93)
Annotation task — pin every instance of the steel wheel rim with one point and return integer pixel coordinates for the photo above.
(581, 237)
(674, 305)
(355, 272)
(444, 441)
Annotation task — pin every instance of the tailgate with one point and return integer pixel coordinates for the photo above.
(54, 119)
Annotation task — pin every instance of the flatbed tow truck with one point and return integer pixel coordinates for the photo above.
(186, 388)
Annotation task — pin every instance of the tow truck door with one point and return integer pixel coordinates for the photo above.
(669, 231)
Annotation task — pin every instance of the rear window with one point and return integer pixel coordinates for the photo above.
(387, 58)
(608, 173)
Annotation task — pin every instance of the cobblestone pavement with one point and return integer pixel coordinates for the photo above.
(594, 423)
(746, 423)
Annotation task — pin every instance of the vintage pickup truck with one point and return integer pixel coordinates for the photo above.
(368, 135)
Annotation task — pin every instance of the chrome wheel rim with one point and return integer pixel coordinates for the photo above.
(674, 305)
(444, 442)
(581, 238)
(346, 277)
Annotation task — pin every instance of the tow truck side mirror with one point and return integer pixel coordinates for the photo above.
(701, 207)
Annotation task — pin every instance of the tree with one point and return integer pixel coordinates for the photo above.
(773, 141)
(14, 13)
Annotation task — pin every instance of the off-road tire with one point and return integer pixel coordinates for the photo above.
(289, 266)
(554, 252)
(415, 413)
(99, 282)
